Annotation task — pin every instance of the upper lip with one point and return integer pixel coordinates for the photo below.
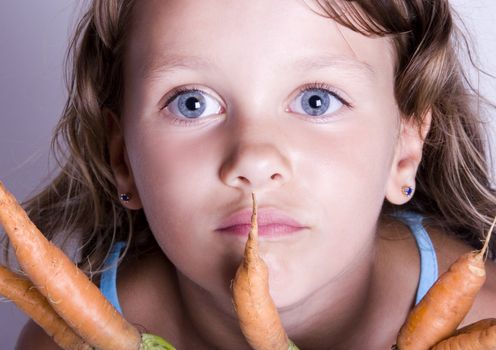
(265, 216)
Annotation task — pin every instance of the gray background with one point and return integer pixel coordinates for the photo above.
(33, 40)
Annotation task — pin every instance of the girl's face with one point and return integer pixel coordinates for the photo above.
(241, 124)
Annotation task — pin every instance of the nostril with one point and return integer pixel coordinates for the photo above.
(243, 179)
(276, 176)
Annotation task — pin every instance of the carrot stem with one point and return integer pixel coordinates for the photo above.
(154, 342)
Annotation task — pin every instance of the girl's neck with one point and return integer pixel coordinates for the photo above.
(328, 318)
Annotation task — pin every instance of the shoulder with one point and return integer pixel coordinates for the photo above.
(448, 249)
(400, 247)
(34, 337)
(148, 284)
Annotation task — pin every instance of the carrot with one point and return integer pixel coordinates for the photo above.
(22, 292)
(477, 336)
(442, 309)
(71, 294)
(257, 313)
(482, 324)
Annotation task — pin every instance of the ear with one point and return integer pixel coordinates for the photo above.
(119, 161)
(407, 157)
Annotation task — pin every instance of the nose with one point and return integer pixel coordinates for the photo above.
(255, 167)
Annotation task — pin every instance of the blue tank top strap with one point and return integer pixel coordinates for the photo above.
(108, 280)
(428, 261)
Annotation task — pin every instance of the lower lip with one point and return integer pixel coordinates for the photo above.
(272, 230)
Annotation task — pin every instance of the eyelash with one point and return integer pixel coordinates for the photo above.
(319, 85)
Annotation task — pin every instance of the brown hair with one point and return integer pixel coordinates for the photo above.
(453, 181)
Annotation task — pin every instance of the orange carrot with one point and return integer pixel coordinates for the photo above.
(73, 296)
(257, 313)
(22, 292)
(477, 336)
(445, 305)
(482, 324)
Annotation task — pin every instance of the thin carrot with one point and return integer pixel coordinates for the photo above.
(22, 292)
(71, 294)
(482, 324)
(445, 305)
(477, 336)
(257, 313)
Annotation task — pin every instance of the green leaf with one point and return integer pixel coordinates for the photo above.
(292, 346)
(154, 342)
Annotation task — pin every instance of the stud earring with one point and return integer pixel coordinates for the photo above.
(125, 197)
(407, 190)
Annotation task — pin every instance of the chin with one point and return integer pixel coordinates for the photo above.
(289, 284)
(288, 295)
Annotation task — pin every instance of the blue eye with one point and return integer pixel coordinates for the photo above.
(318, 99)
(192, 104)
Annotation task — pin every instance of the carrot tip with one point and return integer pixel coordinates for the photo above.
(253, 234)
(484, 249)
(254, 206)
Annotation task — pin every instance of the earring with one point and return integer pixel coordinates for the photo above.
(407, 190)
(125, 197)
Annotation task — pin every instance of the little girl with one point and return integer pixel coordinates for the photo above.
(352, 122)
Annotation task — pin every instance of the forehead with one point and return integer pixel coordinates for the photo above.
(285, 35)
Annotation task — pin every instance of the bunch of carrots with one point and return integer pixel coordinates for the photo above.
(71, 309)
(58, 296)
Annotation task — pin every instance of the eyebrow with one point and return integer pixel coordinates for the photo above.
(170, 62)
(326, 61)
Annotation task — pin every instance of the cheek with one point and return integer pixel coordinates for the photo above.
(350, 165)
(169, 167)
(349, 182)
(174, 175)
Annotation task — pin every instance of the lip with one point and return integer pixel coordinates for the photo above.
(272, 222)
